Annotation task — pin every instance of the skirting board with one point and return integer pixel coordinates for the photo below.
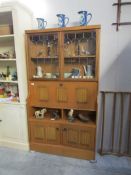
(16, 145)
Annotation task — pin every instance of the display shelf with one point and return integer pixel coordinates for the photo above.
(8, 81)
(85, 56)
(64, 121)
(7, 36)
(7, 59)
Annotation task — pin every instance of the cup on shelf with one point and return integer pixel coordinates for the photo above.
(39, 72)
(48, 75)
(67, 74)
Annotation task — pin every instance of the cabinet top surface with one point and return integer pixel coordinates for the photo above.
(64, 29)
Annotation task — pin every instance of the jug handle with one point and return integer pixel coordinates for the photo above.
(89, 14)
(45, 23)
(67, 20)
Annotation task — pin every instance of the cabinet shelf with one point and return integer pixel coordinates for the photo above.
(64, 121)
(85, 56)
(65, 79)
(8, 81)
(7, 36)
(40, 58)
(7, 59)
(10, 102)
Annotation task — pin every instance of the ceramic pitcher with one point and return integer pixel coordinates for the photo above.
(62, 20)
(41, 23)
(85, 17)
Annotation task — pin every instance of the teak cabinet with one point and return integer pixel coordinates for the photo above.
(62, 65)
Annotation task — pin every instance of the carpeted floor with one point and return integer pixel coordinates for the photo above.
(15, 162)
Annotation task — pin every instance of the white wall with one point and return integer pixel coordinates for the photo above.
(115, 53)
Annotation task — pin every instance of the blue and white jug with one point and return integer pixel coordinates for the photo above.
(84, 18)
(62, 20)
(41, 23)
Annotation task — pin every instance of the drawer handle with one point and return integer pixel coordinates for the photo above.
(57, 129)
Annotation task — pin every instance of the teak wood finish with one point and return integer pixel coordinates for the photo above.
(75, 139)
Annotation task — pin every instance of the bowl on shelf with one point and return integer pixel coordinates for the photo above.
(67, 74)
(48, 75)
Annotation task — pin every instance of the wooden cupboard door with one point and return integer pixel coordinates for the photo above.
(42, 94)
(78, 137)
(87, 138)
(37, 133)
(70, 136)
(78, 95)
(53, 134)
(85, 96)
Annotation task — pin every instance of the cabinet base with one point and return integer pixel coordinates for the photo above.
(63, 151)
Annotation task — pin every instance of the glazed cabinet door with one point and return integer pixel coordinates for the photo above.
(44, 56)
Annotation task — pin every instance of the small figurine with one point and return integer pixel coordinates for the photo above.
(55, 115)
(14, 76)
(75, 72)
(40, 114)
(2, 76)
(5, 55)
(70, 115)
(83, 118)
